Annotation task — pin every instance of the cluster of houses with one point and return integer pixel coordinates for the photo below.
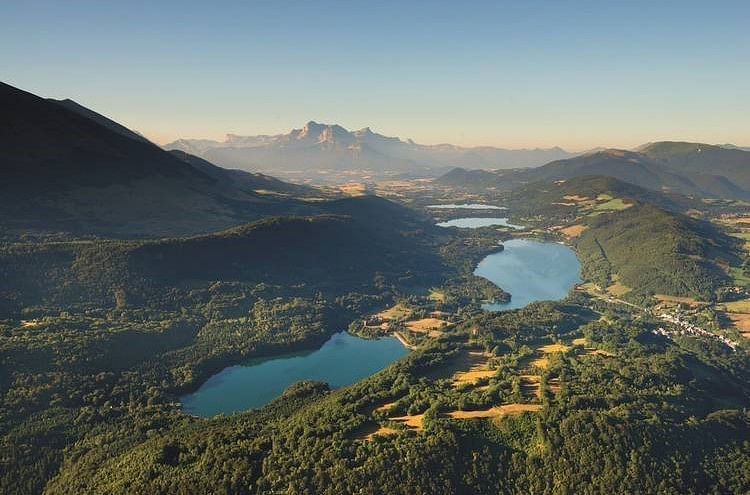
(687, 328)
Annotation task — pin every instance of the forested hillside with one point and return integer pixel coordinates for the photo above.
(96, 332)
(654, 251)
(641, 415)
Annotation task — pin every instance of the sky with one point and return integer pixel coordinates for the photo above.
(511, 74)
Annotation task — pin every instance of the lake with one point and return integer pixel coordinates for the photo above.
(342, 360)
(531, 271)
(471, 206)
(473, 223)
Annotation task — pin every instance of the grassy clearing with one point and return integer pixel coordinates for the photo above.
(574, 230)
(386, 407)
(437, 295)
(590, 288)
(741, 306)
(427, 324)
(464, 361)
(463, 377)
(576, 198)
(615, 204)
(738, 276)
(395, 312)
(475, 367)
(414, 422)
(582, 342)
(370, 430)
(735, 220)
(542, 358)
(541, 362)
(550, 348)
(496, 412)
(618, 289)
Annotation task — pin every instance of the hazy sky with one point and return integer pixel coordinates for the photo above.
(512, 74)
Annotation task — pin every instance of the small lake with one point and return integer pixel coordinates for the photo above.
(474, 223)
(531, 271)
(471, 206)
(342, 360)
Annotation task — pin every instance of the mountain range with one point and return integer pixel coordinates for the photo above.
(693, 169)
(320, 147)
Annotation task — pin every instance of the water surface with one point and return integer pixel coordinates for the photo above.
(342, 360)
(471, 206)
(531, 271)
(473, 223)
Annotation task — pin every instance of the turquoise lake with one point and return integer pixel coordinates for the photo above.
(531, 271)
(342, 360)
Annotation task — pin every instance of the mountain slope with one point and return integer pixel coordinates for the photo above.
(324, 147)
(627, 166)
(63, 170)
(676, 254)
(684, 168)
(254, 182)
(471, 179)
(99, 119)
(571, 196)
(635, 237)
(703, 159)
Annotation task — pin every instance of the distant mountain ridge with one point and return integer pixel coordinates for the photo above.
(331, 146)
(694, 169)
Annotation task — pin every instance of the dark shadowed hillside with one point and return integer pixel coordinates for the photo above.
(337, 249)
(71, 171)
(99, 119)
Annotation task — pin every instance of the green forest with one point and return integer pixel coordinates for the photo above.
(100, 338)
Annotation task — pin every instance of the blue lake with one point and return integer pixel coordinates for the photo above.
(342, 360)
(473, 223)
(531, 271)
